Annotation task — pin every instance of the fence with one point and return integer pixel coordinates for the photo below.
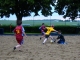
(39, 22)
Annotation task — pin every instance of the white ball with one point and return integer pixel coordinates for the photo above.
(51, 41)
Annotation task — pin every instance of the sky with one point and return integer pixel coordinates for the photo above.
(41, 17)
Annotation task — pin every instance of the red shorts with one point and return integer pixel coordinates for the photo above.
(19, 39)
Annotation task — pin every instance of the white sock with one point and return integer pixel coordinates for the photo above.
(52, 38)
(18, 46)
(45, 40)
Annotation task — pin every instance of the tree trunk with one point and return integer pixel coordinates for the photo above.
(19, 18)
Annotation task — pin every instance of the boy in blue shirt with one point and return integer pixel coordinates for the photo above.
(61, 38)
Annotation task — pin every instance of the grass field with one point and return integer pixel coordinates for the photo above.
(38, 22)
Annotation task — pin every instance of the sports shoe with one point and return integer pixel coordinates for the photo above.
(14, 48)
(43, 43)
(20, 50)
(55, 41)
(40, 38)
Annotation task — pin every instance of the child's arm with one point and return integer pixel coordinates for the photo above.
(14, 32)
(24, 31)
(54, 31)
(40, 27)
(24, 34)
(58, 37)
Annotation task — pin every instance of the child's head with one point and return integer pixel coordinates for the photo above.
(42, 23)
(19, 22)
(52, 26)
(59, 32)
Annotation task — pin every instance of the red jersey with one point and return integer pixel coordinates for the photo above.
(42, 28)
(18, 32)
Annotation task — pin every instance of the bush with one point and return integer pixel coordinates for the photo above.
(35, 29)
(68, 29)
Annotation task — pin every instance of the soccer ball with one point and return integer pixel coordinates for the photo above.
(51, 41)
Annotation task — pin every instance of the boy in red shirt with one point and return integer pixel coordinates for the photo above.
(42, 28)
(19, 33)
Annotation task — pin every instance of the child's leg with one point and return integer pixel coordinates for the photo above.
(52, 38)
(19, 45)
(43, 35)
(61, 42)
(44, 40)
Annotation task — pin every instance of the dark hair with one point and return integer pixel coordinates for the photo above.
(19, 22)
(59, 31)
(52, 25)
(42, 23)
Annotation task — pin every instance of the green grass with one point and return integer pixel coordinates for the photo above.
(39, 22)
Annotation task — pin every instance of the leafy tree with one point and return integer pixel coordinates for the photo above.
(23, 8)
(68, 8)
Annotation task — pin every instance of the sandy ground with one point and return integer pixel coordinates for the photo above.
(33, 49)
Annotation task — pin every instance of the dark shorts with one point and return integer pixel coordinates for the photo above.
(61, 42)
(46, 36)
(42, 33)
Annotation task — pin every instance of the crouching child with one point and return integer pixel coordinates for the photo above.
(60, 38)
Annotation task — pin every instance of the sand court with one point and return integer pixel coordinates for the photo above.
(33, 49)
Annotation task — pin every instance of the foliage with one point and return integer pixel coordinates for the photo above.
(35, 29)
(23, 8)
(68, 8)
